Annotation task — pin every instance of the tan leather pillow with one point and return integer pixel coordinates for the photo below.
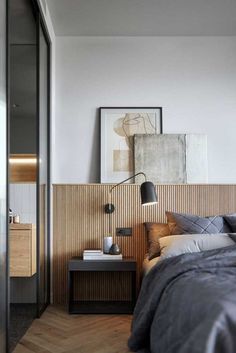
(154, 232)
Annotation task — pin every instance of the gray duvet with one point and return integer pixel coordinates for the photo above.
(187, 304)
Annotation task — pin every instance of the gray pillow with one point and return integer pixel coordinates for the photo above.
(175, 245)
(182, 223)
(231, 220)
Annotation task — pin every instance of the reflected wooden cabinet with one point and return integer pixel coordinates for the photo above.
(22, 250)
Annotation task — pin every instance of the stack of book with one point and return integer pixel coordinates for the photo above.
(99, 255)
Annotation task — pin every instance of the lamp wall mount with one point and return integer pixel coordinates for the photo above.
(109, 208)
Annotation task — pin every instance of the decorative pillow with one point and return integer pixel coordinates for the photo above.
(175, 245)
(148, 264)
(231, 220)
(233, 236)
(154, 232)
(182, 223)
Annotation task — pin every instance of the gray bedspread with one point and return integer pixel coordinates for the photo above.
(187, 304)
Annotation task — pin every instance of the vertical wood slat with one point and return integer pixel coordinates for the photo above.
(79, 222)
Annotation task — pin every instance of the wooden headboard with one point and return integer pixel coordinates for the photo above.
(79, 222)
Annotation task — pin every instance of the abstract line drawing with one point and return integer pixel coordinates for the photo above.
(128, 126)
(118, 127)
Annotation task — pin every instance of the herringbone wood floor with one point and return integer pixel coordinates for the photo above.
(58, 332)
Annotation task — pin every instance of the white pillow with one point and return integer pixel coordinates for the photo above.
(175, 245)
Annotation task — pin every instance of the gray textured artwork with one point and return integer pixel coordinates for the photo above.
(172, 158)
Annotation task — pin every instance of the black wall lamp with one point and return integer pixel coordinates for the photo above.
(147, 191)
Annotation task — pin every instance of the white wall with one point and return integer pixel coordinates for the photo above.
(192, 78)
(23, 201)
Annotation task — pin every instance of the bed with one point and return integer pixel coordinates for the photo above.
(187, 302)
(148, 264)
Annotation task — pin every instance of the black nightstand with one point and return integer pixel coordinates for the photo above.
(77, 264)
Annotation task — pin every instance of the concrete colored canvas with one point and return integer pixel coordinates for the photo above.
(172, 158)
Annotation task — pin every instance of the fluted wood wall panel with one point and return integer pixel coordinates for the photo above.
(79, 222)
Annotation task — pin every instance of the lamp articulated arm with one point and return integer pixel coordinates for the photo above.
(109, 207)
(132, 177)
(148, 193)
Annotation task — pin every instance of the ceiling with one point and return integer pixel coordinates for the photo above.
(143, 17)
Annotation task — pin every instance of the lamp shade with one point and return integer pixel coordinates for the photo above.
(148, 193)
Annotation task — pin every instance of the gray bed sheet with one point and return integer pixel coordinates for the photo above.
(187, 304)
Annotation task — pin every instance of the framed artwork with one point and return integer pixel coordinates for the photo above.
(118, 127)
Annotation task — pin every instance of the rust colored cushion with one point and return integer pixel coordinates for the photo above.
(154, 232)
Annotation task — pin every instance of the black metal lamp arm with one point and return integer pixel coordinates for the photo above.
(109, 207)
(132, 177)
(148, 195)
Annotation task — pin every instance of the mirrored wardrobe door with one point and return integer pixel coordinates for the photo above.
(44, 170)
(22, 173)
(3, 181)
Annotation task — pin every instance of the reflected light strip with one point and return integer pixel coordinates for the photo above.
(23, 160)
(149, 203)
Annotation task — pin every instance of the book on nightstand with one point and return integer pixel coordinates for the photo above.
(99, 255)
(93, 252)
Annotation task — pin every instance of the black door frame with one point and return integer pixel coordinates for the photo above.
(7, 176)
(42, 24)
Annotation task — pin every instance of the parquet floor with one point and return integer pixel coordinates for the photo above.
(58, 332)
